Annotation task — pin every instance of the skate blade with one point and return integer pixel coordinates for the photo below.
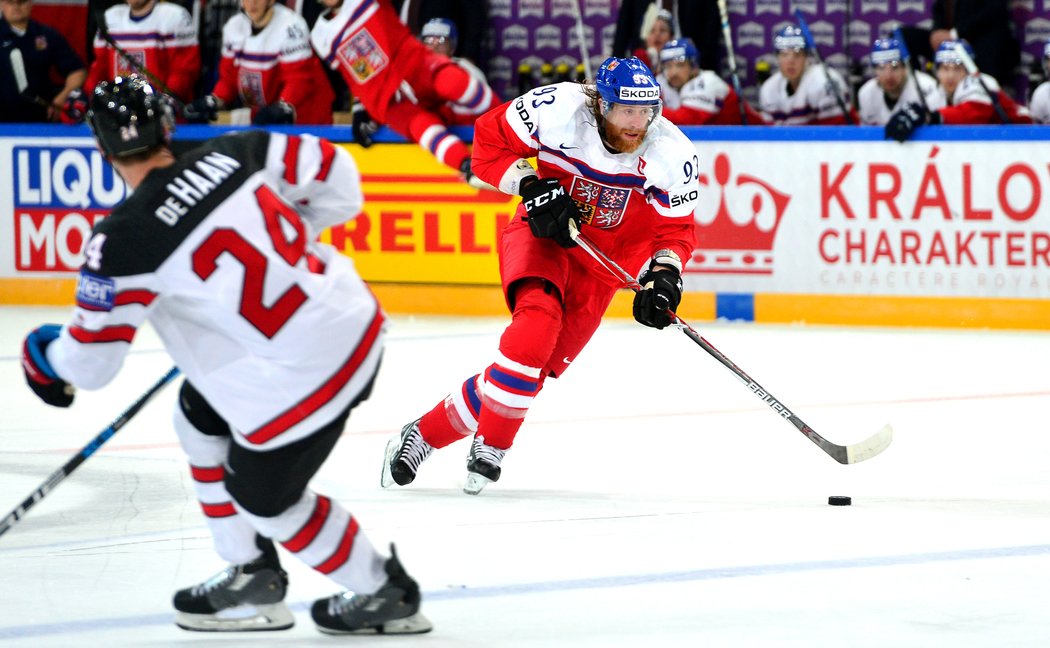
(415, 624)
(386, 480)
(243, 618)
(475, 483)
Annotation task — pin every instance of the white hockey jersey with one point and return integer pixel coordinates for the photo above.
(164, 41)
(812, 103)
(617, 194)
(706, 91)
(872, 100)
(1040, 104)
(278, 333)
(278, 62)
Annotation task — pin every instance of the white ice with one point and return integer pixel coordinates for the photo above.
(650, 499)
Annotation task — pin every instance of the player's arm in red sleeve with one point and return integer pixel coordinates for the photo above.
(185, 67)
(100, 67)
(297, 81)
(677, 234)
(226, 87)
(969, 112)
(499, 151)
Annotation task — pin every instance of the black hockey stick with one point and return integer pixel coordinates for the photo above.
(103, 31)
(905, 54)
(849, 454)
(811, 44)
(971, 69)
(728, 34)
(18, 69)
(56, 477)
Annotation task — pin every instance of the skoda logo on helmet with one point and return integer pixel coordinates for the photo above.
(639, 94)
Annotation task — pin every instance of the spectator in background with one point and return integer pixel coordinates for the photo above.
(1040, 104)
(802, 93)
(28, 94)
(386, 68)
(985, 24)
(892, 88)
(159, 36)
(439, 35)
(471, 17)
(962, 98)
(268, 66)
(692, 96)
(698, 20)
(657, 30)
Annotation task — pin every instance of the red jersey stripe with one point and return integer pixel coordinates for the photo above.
(320, 397)
(144, 297)
(291, 160)
(304, 536)
(327, 157)
(342, 554)
(207, 475)
(108, 334)
(219, 510)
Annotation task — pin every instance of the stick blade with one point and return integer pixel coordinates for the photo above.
(870, 447)
(18, 68)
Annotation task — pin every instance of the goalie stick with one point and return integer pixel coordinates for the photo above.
(848, 454)
(67, 469)
(727, 32)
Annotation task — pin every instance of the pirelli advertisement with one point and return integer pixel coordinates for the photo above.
(952, 233)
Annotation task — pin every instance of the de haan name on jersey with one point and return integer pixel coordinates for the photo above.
(191, 187)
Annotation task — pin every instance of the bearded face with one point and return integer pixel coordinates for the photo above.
(626, 126)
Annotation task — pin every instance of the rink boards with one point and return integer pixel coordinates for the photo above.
(820, 225)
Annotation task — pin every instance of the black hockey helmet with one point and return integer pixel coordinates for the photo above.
(127, 116)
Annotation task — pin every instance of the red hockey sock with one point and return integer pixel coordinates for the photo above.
(512, 382)
(453, 418)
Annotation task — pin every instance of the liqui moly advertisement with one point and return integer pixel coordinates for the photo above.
(950, 219)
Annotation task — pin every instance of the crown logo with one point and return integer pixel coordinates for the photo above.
(736, 236)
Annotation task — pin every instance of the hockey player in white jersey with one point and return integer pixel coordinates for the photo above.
(894, 86)
(799, 93)
(692, 96)
(608, 163)
(277, 336)
(1040, 103)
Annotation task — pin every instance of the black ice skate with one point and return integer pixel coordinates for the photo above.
(483, 465)
(393, 609)
(239, 598)
(403, 456)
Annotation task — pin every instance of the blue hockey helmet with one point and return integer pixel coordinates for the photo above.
(440, 28)
(946, 52)
(680, 49)
(888, 50)
(627, 81)
(790, 37)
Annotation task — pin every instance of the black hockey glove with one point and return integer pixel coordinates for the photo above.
(42, 379)
(549, 210)
(201, 111)
(363, 126)
(904, 122)
(661, 292)
(279, 112)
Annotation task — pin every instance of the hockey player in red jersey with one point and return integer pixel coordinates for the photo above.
(159, 36)
(609, 164)
(692, 96)
(964, 98)
(439, 35)
(386, 69)
(278, 338)
(269, 66)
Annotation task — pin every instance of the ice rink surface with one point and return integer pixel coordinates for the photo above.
(650, 499)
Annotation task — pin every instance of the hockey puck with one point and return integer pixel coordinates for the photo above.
(840, 500)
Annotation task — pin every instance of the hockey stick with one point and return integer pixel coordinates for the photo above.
(56, 477)
(18, 68)
(833, 85)
(905, 54)
(971, 69)
(727, 32)
(849, 454)
(584, 56)
(103, 31)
